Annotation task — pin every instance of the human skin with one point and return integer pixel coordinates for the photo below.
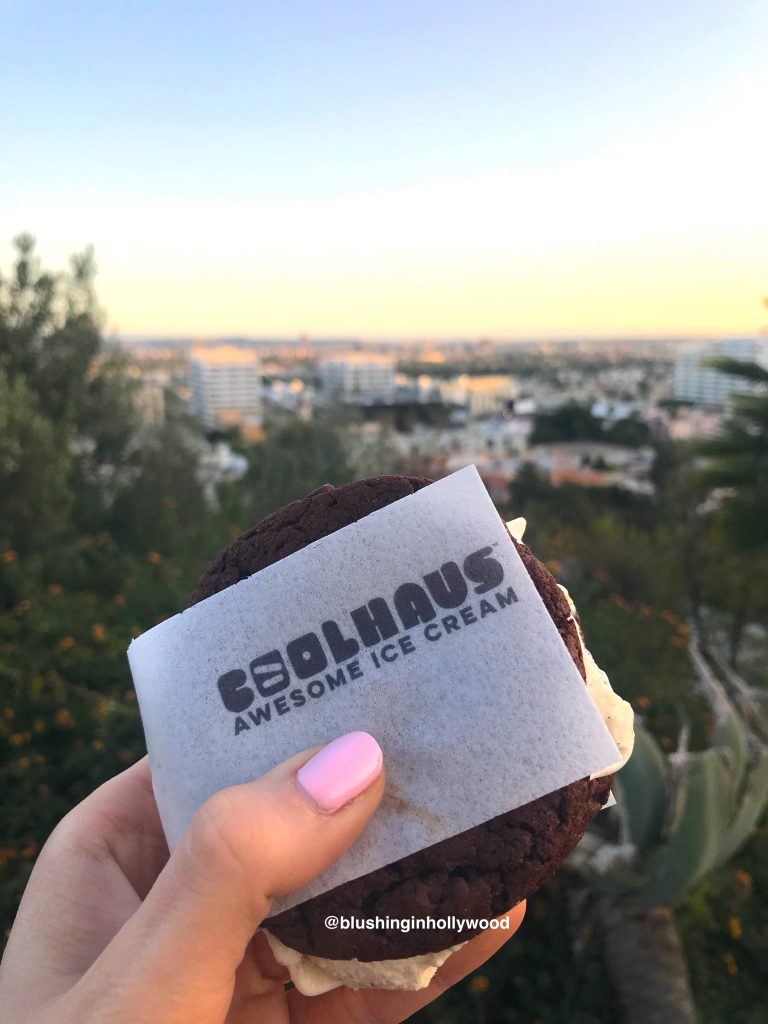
(113, 930)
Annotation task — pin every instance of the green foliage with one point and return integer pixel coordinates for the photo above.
(165, 508)
(631, 432)
(294, 459)
(103, 532)
(33, 468)
(740, 368)
(575, 422)
(738, 460)
(534, 496)
(51, 346)
(724, 923)
(572, 422)
(626, 575)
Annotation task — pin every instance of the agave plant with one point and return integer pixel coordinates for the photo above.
(679, 816)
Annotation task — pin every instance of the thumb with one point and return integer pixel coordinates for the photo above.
(245, 845)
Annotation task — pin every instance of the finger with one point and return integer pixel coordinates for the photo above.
(345, 1006)
(89, 879)
(475, 953)
(120, 820)
(259, 986)
(247, 844)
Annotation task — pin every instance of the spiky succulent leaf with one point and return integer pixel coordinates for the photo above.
(752, 803)
(697, 833)
(642, 791)
(729, 734)
(729, 731)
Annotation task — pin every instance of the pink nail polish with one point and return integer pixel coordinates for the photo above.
(341, 770)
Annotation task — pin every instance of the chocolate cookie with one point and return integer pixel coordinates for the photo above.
(482, 872)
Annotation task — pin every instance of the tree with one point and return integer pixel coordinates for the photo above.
(293, 459)
(102, 534)
(34, 470)
(630, 432)
(738, 460)
(571, 422)
(733, 588)
(68, 396)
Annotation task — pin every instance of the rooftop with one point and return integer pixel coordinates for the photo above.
(224, 355)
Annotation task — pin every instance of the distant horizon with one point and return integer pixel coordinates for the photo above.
(419, 339)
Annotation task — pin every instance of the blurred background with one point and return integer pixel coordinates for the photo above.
(335, 240)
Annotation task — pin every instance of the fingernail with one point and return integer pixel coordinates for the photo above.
(341, 770)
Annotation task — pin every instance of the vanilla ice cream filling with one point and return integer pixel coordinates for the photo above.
(313, 975)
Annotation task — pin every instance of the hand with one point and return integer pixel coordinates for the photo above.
(111, 930)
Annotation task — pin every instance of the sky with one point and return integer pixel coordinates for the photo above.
(516, 169)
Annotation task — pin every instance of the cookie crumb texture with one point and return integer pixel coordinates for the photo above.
(479, 873)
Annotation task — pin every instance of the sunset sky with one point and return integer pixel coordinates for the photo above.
(402, 168)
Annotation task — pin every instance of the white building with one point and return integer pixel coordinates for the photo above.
(695, 382)
(359, 374)
(226, 385)
(486, 395)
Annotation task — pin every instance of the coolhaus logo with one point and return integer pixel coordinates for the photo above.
(369, 638)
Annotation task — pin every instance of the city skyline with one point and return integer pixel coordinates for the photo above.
(399, 171)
